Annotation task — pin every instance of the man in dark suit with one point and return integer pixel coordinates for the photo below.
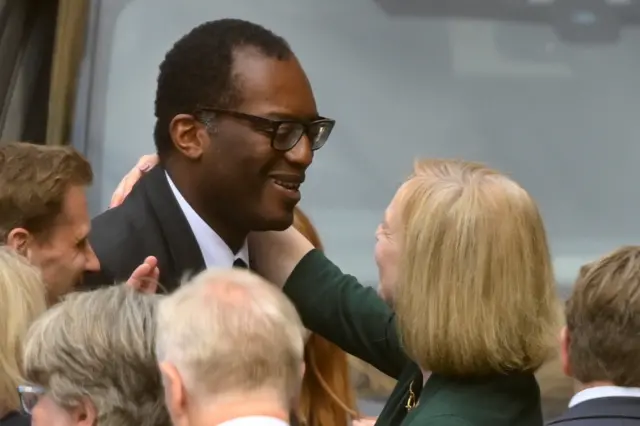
(236, 127)
(600, 346)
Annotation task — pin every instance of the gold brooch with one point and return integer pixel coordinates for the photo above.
(411, 401)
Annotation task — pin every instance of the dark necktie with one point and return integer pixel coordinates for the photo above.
(239, 263)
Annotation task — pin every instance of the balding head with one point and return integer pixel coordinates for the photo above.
(231, 331)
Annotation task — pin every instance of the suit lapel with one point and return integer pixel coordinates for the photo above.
(179, 239)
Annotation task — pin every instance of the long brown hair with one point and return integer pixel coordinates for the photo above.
(327, 396)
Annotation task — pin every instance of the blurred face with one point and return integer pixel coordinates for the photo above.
(387, 251)
(64, 253)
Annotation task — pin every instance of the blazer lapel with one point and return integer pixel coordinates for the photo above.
(178, 236)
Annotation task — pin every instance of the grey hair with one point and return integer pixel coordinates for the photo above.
(99, 346)
(236, 333)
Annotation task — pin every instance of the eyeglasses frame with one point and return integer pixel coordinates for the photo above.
(270, 125)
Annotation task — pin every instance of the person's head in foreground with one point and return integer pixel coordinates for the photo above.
(600, 345)
(463, 258)
(22, 300)
(89, 361)
(44, 211)
(229, 345)
(233, 104)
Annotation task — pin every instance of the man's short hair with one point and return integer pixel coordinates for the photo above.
(34, 180)
(100, 345)
(603, 319)
(231, 331)
(197, 70)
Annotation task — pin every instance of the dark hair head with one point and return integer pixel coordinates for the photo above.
(198, 70)
(603, 318)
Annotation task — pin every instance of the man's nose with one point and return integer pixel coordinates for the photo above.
(92, 263)
(301, 154)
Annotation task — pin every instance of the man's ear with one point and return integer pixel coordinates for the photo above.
(565, 345)
(188, 135)
(19, 239)
(175, 393)
(85, 414)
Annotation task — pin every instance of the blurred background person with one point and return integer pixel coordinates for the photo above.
(464, 263)
(22, 300)
(90, 361)
(327, 397)
(44, 214)
(231, 350)
(44, 211)
(600, 345)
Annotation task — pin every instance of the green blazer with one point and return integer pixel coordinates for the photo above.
(352, 316)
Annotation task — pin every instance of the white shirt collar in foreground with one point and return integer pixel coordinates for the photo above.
(603, 392)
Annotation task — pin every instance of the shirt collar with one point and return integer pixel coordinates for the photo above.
(215, 252)
(255, 421)
(603, 392)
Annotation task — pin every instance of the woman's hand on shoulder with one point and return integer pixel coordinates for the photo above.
(145, 163)
(275, 254)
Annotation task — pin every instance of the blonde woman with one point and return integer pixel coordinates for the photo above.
(22, 300)
(466, 275)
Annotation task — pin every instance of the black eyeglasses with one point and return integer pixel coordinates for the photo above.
(29, 396)
(284, 134)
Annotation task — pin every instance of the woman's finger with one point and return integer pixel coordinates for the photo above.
(145, 163)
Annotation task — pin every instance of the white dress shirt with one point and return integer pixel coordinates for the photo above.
(215, 252)
(255, 421)
(603, 392)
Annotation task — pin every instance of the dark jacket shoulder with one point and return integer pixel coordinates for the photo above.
(14, 418)
(610, 411)
(498, 400)
(118, 237)
(149, 222)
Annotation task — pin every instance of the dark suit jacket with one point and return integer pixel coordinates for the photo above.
(352, 316)
(610, 411)
(148, 223)
(15, 419)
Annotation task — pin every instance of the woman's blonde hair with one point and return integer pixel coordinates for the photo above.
(22, 300)
(327, 396)
(476, 292)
